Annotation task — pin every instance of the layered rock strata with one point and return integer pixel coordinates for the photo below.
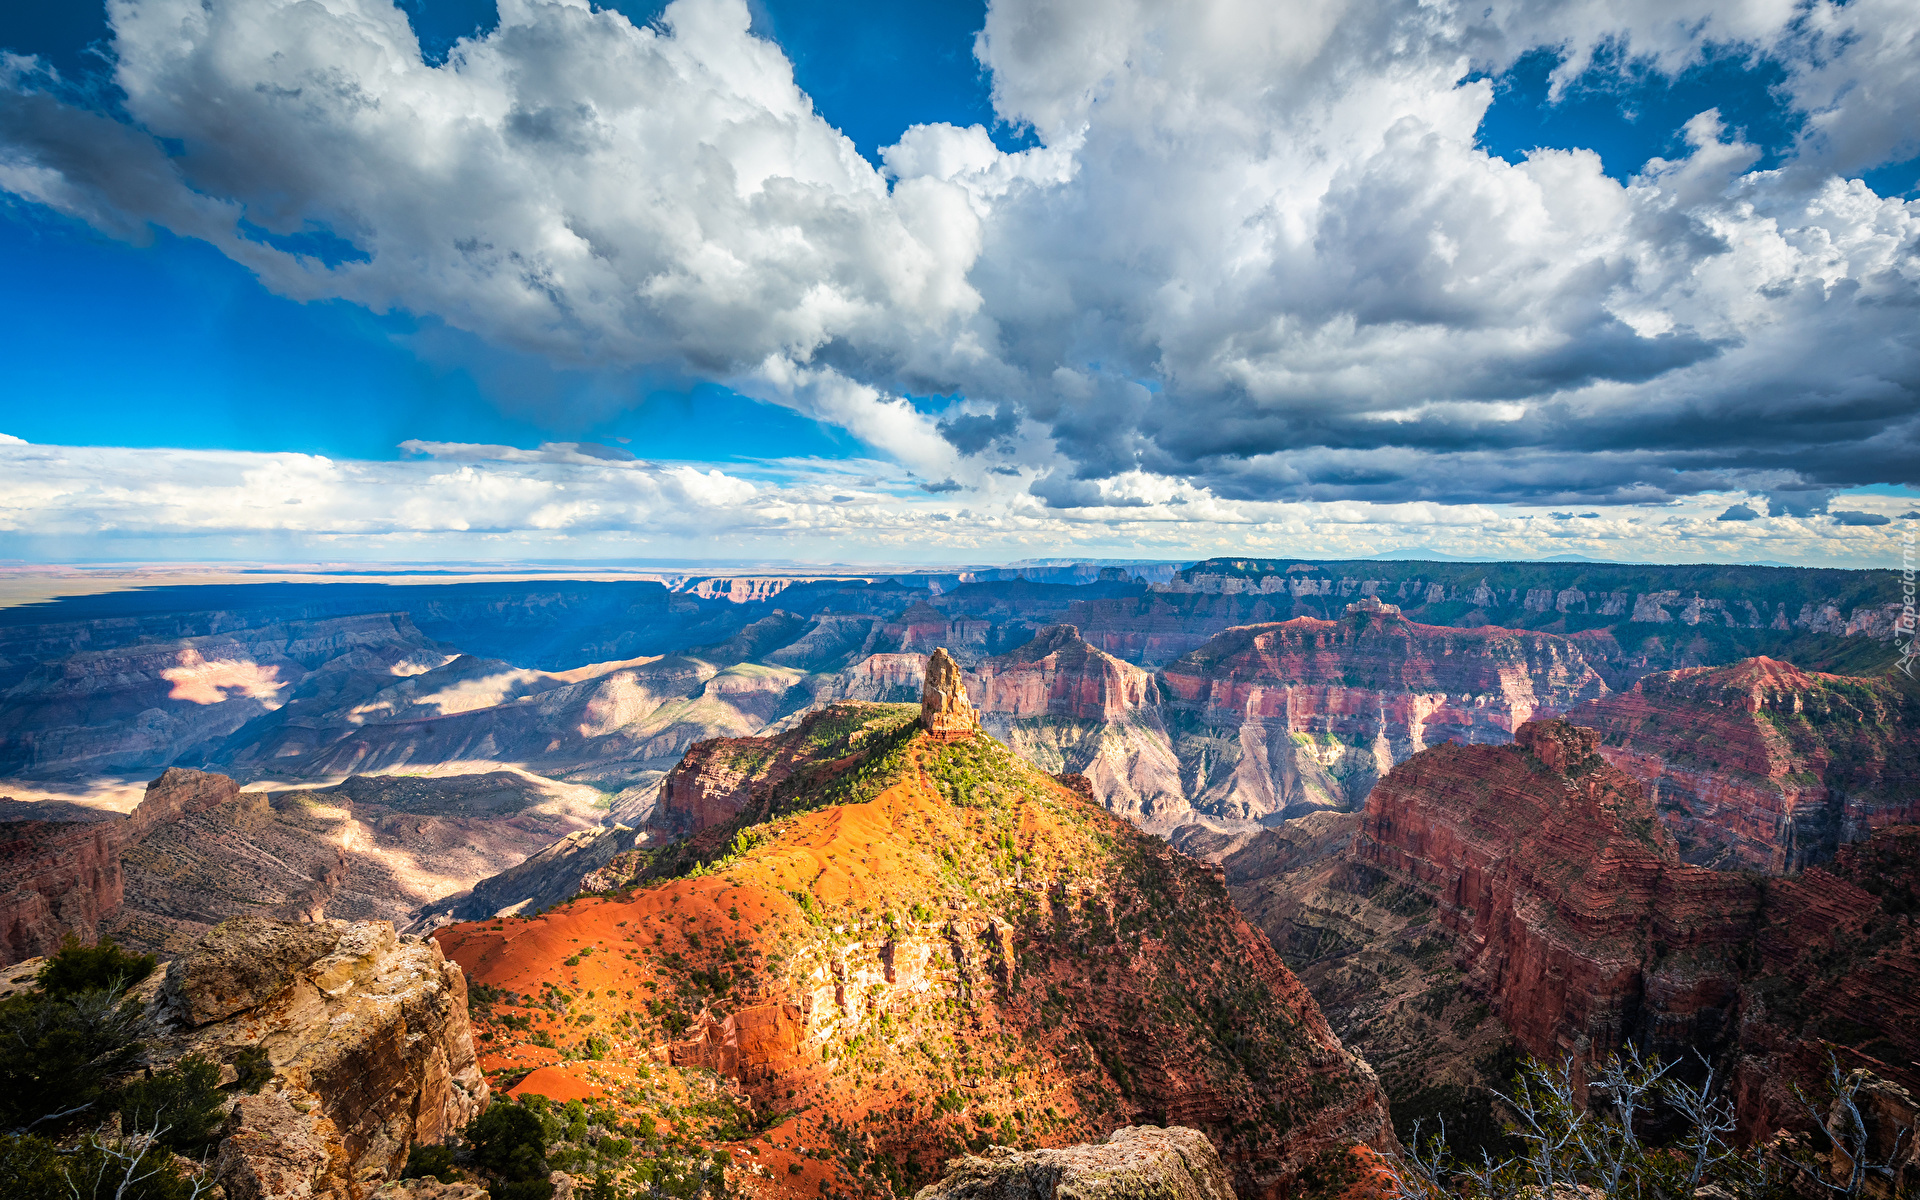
(56, 878)
(66, 877)
(1552, 872)
(1762, 765)
(1384, 972)
(148, 705)
(198, 850)
(1072, 709)
(1281, 719)
(1566, 906)
(937, 941)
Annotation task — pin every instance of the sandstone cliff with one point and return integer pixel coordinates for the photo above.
(1073, 709)
(65, 877)
(1537, 880)
(56, 878)
(945, 712)
(341, 1045)
(923, 946)
(366, 1035)
(1763, 765)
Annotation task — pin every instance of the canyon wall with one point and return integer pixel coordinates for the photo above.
(1261, 722)
(1570, 912)
(148, 705)
(1073, 709)
(1765, 766)
(56, 878)
(1285, 718)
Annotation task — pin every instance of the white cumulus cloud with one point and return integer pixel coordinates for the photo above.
(1256, 257)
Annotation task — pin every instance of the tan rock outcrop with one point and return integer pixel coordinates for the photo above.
(945, 712)
(1136, 1162)
(366, 1036)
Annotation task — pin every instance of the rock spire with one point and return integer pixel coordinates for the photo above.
(945, 710)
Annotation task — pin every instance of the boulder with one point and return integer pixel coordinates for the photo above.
(243, 963)
(1136, 1162)
(364, 1038)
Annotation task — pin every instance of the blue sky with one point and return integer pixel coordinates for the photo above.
(166, 340)
(172, 344)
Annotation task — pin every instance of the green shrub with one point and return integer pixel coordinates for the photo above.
(254, 1068)
(57, 1054)
(183, 1102)
(77, 968)
(510, 1144)
(34, 1168)
(430, 1162)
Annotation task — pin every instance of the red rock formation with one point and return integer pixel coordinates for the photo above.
(1574, 917)
(934, 943)
(1546, 867)
(1057, 674)
(1837, 973)
(56, 878)
(179, 792)
(709, 787)
(62, 877)
(945, 712)
(1763, 765)
(1077, 710)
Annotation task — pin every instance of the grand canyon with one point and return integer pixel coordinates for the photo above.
(814, 886)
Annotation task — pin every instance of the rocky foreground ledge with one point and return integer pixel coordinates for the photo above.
(346, 1044)
(1136, 1162)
